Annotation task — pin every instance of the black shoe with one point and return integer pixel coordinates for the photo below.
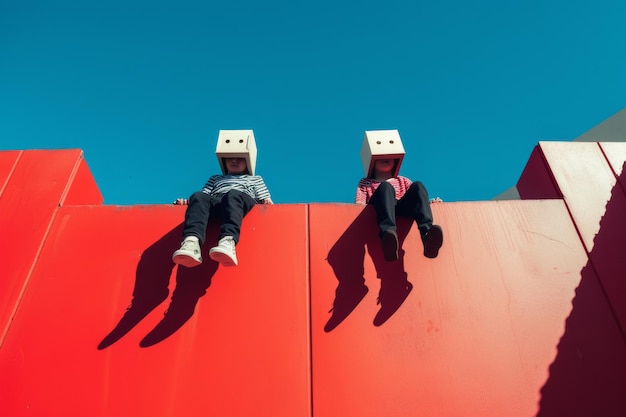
(389, 240)
(433, 241)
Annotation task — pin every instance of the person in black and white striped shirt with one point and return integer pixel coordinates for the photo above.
(232, 196)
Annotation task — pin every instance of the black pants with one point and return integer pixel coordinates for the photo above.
(231, 207)
(413, 204)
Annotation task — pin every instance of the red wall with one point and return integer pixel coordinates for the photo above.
(521, 314)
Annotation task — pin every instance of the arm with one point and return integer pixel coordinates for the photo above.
(361, 194)
(261, 192)
(407, 182)
(210, 184)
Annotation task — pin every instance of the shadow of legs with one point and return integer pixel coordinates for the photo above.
(191, 284)
(393, 292)
(346, 258)
(394, 284)
(151, 285)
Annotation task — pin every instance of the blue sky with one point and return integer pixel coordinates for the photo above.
(144, 87)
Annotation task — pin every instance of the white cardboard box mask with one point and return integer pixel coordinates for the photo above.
(236, 144)
(381, 144)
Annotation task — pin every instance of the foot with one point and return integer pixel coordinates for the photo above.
(389, 240)
(433, 241)
(224, 252)
(189, 254)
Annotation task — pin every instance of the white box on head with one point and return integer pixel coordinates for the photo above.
(236, 144)
(381, 144)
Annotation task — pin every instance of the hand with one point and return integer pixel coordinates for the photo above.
(436, 200)
(268, 201)
(181, 202)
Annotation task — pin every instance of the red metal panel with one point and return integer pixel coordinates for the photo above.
(27, 205)
(609, 244)
(615, 153)
(536, 181)
(8, 159)
(510, 319)
(483, 331)
(585, 180)
(586, 173)
(83, 189)
(229, 341)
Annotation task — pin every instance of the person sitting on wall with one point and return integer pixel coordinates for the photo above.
(230, 196)
(394, 195)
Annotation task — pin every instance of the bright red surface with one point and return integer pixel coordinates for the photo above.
(83, 189)
(480, 329)
(196, 342)
(8, 160)
(30, 198)
(512, 319)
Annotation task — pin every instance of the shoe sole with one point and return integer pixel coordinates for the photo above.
(433, 241)
(390, 246)
(186, 260)
(222, 257)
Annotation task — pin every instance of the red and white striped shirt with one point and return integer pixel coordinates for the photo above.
(367, 186)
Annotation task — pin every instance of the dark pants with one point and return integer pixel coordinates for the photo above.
(231, 207)
(413, 204)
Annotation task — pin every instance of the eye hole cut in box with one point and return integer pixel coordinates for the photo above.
(381, 144)
(236, 144)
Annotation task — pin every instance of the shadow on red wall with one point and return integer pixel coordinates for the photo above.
(588, 375)
(152, 280)
(347, 257)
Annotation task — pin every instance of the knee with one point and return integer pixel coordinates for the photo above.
(198, 196)
(386, 187)
(418, 186)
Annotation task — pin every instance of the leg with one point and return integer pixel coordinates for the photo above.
(384, 201)
(194, 230)
(197, 215)
(235, 205)
(415, 204)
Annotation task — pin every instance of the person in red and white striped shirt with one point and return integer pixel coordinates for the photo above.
(397, 195)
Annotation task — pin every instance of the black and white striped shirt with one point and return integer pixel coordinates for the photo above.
(253, 185)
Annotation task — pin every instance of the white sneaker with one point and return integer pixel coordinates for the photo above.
(224, 252)
(189, 254)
